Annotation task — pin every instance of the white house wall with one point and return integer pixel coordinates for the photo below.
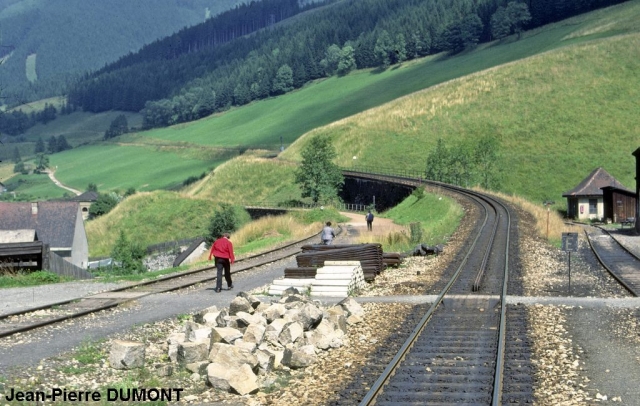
(80, 252)
(583, 209)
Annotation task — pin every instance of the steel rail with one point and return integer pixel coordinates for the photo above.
(615, 275)
(379, 384)
(178, 275)
(496, 396)
(500, 359)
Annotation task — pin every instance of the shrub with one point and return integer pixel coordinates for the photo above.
(129, 255)
(418, 193)
(42, 277)
(416, 233)
(103, 205)
(226, 219)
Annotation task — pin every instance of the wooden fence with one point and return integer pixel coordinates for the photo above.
(60, 266)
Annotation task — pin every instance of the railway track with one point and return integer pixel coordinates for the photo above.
(32, 318)
(455, 354)
(457, 351)
(619, 262)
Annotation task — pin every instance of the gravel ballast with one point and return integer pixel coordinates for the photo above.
(584, 354)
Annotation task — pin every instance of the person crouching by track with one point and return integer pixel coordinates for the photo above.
(327, 234)
(222, 251)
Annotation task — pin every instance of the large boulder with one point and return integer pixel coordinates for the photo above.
(325, 336)
(126, 354)
(254, 333)
(337, 319)
(290, 333)
(300, 357)
(200, 317)
(254, 301)
(266, 361)
(352, 307)
(232, 355)
(232, 378)
(244, 319)
(240, 304)
(274, 312)
(191, 352)
(226, 335)
(308, 315)
(173, 341)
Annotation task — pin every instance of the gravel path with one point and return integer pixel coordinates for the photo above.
(16, 299)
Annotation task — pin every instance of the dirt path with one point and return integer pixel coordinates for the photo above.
(357, 226)
(57, 182)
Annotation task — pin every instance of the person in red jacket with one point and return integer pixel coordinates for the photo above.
(222, 251)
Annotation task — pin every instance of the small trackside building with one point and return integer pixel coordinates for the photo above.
(586, 201)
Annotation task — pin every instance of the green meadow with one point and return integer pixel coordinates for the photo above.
(562, 101)
(126, 165)
(37, 187)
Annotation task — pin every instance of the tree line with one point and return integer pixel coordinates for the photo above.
(71, 37)
(200, 71)
(17, 122)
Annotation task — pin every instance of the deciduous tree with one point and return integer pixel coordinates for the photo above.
(283, 81)
(318, 177)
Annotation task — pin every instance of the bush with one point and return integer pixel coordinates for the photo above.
(416, 233)
(42, 277)
(418, 193)
(103, 205)
(226, 219)
(129, 255)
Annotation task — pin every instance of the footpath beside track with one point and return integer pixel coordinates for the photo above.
(18, 321)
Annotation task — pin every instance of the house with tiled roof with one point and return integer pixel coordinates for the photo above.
(86, 200)
(586, 201)
(57, 224)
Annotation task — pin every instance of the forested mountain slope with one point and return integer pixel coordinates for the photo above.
(52, 41)
(345, 35)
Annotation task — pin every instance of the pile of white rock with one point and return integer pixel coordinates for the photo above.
(233, 347)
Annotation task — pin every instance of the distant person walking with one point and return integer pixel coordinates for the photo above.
(327, 234)
(222, 251)
(369, 218)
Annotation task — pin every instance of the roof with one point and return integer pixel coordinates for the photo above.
(620, 190)
(88, 196)
(12, 236)
(592, 185)
(54, 222)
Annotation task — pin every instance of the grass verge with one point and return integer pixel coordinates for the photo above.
(20, 279)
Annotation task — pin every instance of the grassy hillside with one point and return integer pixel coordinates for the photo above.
(150, 218)
(328, 101)
(558, 115)
(59, 39)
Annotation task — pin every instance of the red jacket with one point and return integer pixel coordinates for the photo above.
(222, 248)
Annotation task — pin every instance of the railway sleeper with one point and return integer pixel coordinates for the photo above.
(446, 378)
(404, 398)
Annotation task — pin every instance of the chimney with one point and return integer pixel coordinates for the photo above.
(34, 208)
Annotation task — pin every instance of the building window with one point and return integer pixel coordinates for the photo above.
(593, 206)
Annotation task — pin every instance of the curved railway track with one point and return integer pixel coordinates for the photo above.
(615, 258)
(456, 352)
